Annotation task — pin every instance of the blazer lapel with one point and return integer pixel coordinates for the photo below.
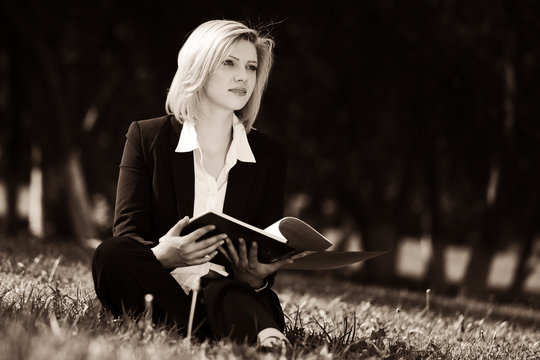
(239, 186)
(183, 174)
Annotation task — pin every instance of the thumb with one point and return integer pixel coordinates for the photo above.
(177, 228)
(281, 263)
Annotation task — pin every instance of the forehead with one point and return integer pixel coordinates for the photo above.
(244, 50)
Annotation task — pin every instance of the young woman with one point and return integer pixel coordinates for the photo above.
(204, 155)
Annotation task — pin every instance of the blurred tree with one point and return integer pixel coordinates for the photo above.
(14, 137)
(61, 161)
(396, 114)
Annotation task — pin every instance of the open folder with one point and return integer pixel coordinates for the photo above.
(288, 237)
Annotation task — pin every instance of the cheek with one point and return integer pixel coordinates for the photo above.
(252, 81)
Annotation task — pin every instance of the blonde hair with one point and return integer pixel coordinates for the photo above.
(202, 53)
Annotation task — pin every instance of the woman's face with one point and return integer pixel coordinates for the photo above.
(231, 86)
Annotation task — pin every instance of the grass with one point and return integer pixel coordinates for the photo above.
(48, 311)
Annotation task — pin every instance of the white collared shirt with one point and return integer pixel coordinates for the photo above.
(210, 191)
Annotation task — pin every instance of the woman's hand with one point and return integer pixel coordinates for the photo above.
(174, 250)
(246, 267)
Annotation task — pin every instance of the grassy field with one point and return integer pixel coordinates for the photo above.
(48, 311)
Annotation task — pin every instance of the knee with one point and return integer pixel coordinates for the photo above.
(114, 251)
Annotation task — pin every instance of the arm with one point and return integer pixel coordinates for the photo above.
(133, 212)
(132, 215)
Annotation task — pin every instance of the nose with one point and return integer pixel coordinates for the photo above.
(241, 76)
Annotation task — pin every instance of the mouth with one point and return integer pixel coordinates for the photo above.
(239, 91)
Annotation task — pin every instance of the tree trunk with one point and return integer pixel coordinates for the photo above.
(523, 270)
(381, 236)
(498, 182)
(35, 195)
(436, 271)
(483, 248)
(14, 144)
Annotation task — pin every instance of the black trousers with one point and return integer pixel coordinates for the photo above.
(125, 270)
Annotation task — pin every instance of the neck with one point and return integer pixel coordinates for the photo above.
(214, 132)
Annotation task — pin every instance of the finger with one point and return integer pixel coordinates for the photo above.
(224, 253)
(177, 228)
(242, 252)
(253, 260)
(197, 253)
(190, 245)
(276, 265)
(203, 259)
(200, 232)
(232, 251)
(213, 241)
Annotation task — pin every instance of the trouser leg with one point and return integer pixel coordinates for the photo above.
(236, 311)
(124, 271)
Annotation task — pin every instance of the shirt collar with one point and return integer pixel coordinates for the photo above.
(188, 138)
(239, 145)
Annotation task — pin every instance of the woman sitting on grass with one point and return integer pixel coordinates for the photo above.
(204, 155)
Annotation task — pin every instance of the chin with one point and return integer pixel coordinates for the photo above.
(237, 106)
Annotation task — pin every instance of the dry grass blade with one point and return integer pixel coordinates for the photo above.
(59, 319)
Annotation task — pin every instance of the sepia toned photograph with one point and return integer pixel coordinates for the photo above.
(269, 180)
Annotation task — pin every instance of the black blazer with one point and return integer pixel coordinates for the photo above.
(156, 184)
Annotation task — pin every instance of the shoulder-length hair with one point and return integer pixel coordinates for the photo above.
(202, 53)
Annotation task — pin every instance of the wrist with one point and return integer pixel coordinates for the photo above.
(160, 255)
(257, 284)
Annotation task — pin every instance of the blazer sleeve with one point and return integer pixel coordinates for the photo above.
(133, 212)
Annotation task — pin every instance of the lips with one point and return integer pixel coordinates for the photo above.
(239, 91)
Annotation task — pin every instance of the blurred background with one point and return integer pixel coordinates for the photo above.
(411, 126)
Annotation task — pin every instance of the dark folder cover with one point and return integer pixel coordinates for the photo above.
(289, 237)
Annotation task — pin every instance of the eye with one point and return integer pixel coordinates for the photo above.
(252, 68)
(228, 62)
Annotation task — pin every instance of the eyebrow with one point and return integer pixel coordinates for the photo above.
(237, 59)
